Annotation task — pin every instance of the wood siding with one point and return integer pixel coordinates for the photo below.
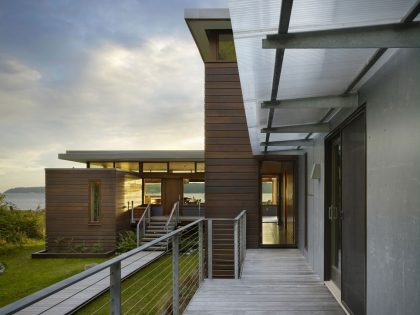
(67, 210)
(231, 178)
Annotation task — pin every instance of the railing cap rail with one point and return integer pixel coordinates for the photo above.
(39, 295)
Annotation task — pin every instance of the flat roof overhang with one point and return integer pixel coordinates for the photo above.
(302, 63)
(199, 21)
(133, 156)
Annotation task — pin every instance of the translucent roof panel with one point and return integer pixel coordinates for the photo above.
(305, 73)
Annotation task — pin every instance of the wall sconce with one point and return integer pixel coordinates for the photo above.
(316, 171)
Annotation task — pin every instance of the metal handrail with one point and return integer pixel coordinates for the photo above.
(175, 210)
(113, 263)
(145, 216)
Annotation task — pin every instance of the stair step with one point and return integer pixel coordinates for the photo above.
(157, 231)
(156, 235)
(148, 239)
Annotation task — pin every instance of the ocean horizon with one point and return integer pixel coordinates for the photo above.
(26, 201)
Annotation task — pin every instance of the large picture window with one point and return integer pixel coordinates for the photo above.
(94, 201)
(152, 191)
(193, 192)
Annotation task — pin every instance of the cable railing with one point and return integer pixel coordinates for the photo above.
(141, 224)
(173, 218)
(164, 286)
(226, 245)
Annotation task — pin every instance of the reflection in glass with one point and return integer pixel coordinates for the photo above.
(277, 204)
(155, 167)
(193, 192)
(152, 191)
(181, 167)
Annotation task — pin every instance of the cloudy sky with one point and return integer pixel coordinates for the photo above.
(92, 75)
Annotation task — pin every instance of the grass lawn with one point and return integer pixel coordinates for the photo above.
(25, 275)
(149, 291)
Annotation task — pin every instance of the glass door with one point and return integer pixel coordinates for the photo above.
(277, 206)
(334, 212)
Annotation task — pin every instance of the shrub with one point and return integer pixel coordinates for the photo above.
(16, 226)
(126, 241)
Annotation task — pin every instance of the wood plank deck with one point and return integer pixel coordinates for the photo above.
(274, 281)
(74, 296)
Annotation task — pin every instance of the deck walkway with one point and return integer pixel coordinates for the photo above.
(78, 294)
(274, 281)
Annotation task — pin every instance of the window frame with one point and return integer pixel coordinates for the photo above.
(90, 221)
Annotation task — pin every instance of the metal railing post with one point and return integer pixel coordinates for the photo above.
(210, 248)
(244, 236)
(200, 252)
(175, 274)
(235, 249)
(115, 288)
(138, 236)
(132, 211)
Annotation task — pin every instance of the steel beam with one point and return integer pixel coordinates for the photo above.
(349, 100)
(322, 128)
(289, 143)
(398, 35)
(285, 12)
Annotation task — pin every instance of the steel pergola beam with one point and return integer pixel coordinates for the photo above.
(285, 12)
(341, 101)
(306, 128)
(289, 143)
(398, 35)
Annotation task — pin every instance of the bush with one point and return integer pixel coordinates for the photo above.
(17, 227)
(126, 241)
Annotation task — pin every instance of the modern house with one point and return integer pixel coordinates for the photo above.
(312, 125)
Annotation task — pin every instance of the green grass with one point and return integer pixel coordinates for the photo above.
(149, 291)
(25, 275)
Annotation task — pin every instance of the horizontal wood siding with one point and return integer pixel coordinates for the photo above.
(231, 177)
(67, 210)
(128, 189)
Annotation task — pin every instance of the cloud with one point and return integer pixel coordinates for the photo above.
(150, 97)
(97, 74)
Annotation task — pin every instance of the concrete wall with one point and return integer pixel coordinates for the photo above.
(392, 97)
(393, 185)
(315, 204)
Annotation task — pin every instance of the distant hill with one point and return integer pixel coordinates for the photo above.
(22, 190)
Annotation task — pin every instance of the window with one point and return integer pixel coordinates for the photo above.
(152, 191)
(127, 166)
(270, 188)
(181, 167)
(155, 167)
(101, 164)
(200, 167)
(94, 201)
(193, 192)
(225, 47)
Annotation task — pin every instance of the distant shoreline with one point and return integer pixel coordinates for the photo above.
(24, 190)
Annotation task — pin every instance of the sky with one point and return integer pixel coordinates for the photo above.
(95, 75)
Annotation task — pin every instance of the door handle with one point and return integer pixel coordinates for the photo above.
(330, 213)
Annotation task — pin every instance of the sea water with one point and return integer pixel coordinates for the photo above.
(27, 201)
